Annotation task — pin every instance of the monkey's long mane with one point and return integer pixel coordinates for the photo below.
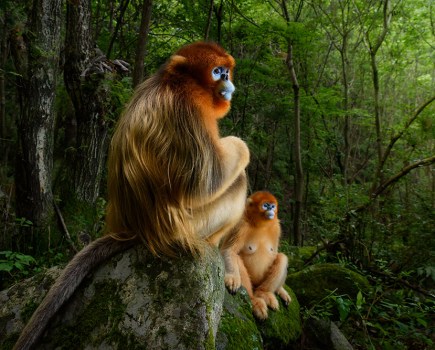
(161, 160)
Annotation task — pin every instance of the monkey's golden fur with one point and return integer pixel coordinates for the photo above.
(252, 258)
(173, 182)
(170, 175)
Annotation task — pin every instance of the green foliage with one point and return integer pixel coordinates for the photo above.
(329, 38)
(15, 266)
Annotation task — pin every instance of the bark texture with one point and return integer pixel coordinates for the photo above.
(36, 122)
(89, 94)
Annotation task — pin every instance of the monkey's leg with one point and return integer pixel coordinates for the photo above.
(273, 282)
(259, 307)
(284, 295)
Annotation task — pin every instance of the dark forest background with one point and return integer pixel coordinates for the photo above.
(335, 99)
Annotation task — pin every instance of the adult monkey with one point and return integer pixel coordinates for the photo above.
(173, 182)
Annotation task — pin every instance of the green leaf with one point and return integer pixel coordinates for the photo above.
(359, 300)
(7, 267)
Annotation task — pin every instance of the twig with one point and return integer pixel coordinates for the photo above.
(64, 228)
(401, 281)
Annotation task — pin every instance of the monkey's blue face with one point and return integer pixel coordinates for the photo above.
(225, 86)
(269, 210)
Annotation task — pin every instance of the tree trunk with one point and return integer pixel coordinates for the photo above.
(89, 98)
(138, 72)
(373, 49)
(33, 178)
(3, 58)
(346, 129)
(210, 13)
(299, 174)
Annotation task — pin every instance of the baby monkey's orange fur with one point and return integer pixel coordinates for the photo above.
(252, 259)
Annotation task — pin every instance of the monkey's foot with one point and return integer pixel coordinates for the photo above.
(233, 282)
(259, 308)
(284, 296)
(269, 298)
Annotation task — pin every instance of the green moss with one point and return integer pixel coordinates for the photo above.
(238, 330)
(28, 310)
(210, 341)
(314, 283)
(282, 327)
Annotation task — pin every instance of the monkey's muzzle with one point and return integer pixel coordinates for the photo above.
(226, 89)
(270, 214)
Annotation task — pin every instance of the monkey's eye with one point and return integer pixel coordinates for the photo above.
(265, 206)
(272, 206)
(216, 73)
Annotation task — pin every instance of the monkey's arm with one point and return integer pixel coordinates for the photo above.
(225, 204)
(71, 277)
(230, 252)
(234, 158)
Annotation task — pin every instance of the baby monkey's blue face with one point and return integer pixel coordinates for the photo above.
(269, 210)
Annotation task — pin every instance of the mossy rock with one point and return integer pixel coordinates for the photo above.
(282, 327)
(132, 301)
(239, 329)
(316, 282)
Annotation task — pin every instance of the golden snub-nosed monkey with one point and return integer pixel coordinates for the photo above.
(252, 258)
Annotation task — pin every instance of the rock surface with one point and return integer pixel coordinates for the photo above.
(132, 301)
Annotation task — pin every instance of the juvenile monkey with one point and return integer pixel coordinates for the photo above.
(252, 258)
(173, 182)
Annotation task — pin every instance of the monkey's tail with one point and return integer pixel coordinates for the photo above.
(70, 278)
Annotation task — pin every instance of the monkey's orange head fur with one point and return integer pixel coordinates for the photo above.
(261, 206)
(207, 69)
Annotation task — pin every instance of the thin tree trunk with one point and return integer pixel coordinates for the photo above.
(138, 71)
(373, 50)
(219, 19)
(210, 13)
(346, 129)
(123, 6)
(299, 174)
(3, 57)
(89, 97)
(34, 198)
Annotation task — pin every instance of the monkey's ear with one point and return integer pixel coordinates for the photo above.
(249, 201)
(176, 62)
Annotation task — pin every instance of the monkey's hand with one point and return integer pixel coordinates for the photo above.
(284, 296)
(232, 282)
(235, 155)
